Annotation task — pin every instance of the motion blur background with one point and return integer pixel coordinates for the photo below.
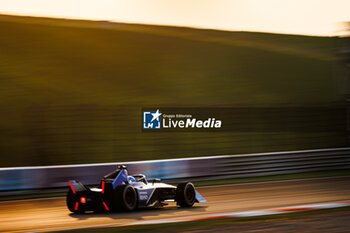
(71, 91)
(76, 74)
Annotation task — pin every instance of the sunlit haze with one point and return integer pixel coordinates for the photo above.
(312, 17)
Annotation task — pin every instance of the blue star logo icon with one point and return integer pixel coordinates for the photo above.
(151, 120)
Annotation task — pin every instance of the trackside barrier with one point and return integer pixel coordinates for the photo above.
(17, 179)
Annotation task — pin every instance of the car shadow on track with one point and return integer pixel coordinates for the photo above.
(141, 214)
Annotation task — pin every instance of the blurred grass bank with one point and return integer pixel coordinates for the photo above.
(72, 91)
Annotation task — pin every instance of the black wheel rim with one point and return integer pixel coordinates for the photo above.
(190, 194)
(130, 197)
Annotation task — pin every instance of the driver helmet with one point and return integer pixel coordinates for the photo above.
(131, 179)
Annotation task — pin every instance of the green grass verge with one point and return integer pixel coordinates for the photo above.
(217, 223)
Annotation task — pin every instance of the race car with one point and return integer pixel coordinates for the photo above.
(120, 191)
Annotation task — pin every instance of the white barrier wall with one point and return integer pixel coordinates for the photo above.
(201, 168)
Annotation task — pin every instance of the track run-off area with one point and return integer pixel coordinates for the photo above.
(49, 214)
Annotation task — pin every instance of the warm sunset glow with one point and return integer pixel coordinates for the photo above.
(313, 17)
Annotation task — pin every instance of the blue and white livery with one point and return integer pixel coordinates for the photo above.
(120, 191)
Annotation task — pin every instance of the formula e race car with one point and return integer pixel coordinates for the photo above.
(119, 191)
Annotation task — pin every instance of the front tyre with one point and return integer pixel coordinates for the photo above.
(185, 194)
(125, 197)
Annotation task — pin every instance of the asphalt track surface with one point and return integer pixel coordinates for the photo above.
(52, 213)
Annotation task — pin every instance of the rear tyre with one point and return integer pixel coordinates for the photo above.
(72, 200)
(185, 194)
(125, 197)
